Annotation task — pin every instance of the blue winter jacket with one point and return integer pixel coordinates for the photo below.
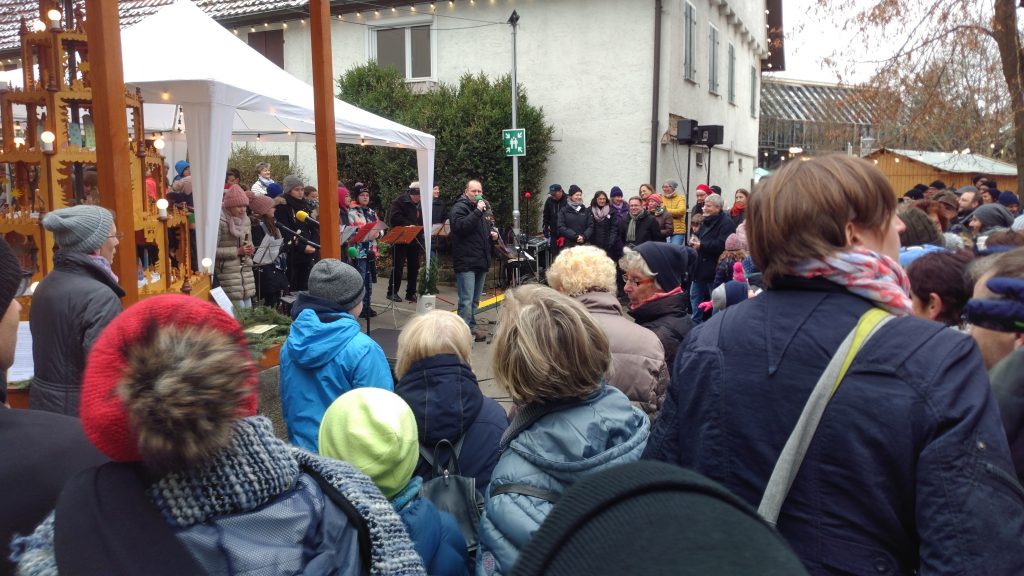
(435, 534)
(909, 469)
(324, 356)
(550, 447)
(448, 404)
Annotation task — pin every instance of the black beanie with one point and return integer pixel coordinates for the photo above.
(669, 262)
(920, 229)
(653, 518)
(10, 275)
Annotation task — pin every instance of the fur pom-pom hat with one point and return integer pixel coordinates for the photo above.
(166, 382)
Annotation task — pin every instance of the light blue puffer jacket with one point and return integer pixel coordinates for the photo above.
(550, 447)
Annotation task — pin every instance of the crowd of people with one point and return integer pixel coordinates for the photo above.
(834, 411)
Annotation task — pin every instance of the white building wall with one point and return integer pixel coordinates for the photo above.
(589, 64)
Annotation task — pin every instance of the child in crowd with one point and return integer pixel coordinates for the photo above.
(375, 431)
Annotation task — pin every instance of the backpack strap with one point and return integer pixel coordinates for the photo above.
(357, 520)
(525, 490)
(453, 458)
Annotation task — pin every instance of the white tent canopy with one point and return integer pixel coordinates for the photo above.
(225, 87)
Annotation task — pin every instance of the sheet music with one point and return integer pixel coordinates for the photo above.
(222, 300)
(348, 232)
(23, 367)
(268, 250)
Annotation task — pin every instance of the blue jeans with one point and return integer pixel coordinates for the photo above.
(363, 266)
(470, 286)
(678, 239)
(699, 292)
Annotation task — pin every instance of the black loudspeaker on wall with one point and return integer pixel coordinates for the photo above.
(711, 135)
(686, 131)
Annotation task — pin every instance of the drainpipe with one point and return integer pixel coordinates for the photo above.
(655, 94)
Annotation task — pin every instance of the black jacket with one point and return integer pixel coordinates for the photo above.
(295, 244)
(404, 212)
(41, 452)
(646, 230)
(70, 308)
(551, 208)
(573, 223)
(667, 318)
(606, 231)
(712, 233)
(471, 237)
(438, 212)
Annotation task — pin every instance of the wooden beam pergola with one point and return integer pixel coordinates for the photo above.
(113, 157)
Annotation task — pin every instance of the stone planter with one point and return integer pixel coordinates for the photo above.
(425, 303)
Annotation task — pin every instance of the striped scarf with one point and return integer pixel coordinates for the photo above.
(865, 273)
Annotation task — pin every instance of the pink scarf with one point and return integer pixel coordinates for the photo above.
(865, 273)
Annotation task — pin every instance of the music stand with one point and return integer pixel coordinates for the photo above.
(359, 234)
(398, 235)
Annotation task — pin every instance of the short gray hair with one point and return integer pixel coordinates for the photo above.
(714, 199)
(261, 166)
(633, 261)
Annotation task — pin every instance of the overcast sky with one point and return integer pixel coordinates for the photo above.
(810, 38)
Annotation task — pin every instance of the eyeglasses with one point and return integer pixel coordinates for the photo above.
(636, 282)
(23, 284)
(119, 236)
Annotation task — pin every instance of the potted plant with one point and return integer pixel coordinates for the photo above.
(426, 289)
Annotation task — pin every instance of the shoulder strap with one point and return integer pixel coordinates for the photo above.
(525, 490)
(788, 464)
(357, 520)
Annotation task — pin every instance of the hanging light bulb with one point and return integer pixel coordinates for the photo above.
(159, 143)
(161, 207)
(258, 137)
(38, 26)
(165, 95)
(47, 139)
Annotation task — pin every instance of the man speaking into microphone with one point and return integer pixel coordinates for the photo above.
(471, 235)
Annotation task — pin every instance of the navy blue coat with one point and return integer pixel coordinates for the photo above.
(446, 399)
(713, 232)
(909, 468)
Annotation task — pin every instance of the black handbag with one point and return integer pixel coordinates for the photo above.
(455, 494)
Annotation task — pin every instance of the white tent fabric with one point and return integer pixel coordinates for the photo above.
(226, 87)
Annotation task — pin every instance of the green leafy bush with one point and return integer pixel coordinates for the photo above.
(245, 157)
(467, 120)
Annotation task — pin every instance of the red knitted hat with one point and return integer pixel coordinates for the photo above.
(705, 188)
(654, 198)
(235, 196)
(261, 204)
(166, 381)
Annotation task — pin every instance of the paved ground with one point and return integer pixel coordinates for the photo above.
(400, 313)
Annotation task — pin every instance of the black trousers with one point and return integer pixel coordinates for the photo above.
(406, 257)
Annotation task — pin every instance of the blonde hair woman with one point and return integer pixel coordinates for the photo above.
(638, 367)
(550, 355)
(909, 464)
(436, 380)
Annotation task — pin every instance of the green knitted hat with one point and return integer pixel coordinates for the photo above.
(374, 430)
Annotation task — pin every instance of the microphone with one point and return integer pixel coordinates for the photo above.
(302, 216)
(293, 232)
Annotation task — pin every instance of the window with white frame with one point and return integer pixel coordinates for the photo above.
(732, 73)
(690, 39)
(713, 59)
(407, 48)
(753, 91)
